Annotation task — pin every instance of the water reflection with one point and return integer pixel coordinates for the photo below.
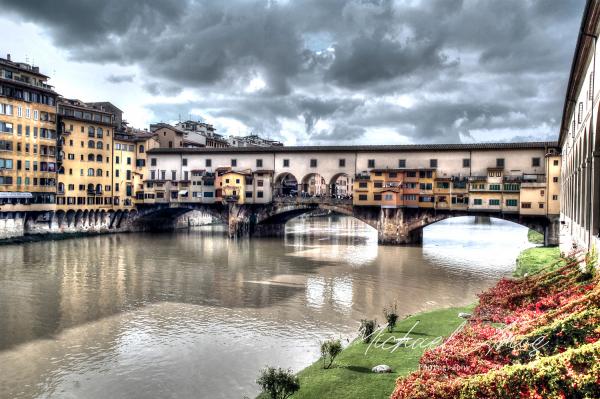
(194, 314)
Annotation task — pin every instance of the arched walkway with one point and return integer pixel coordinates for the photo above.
(313, 185)
(286, 185)
(340, 185)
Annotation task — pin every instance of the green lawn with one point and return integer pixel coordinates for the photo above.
(351, 375)
(535, 237)
(535, 260)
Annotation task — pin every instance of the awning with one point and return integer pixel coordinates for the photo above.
(183, 192)
(15, 195)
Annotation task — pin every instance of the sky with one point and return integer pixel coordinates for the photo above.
(313, 72)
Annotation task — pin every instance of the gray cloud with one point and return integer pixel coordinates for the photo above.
(119, 78)
(424, 71)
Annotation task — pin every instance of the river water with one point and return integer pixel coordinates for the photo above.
(195, 315)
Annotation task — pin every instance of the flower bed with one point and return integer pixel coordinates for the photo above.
(530, 338)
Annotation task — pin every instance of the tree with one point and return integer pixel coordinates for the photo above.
(329, 351)
(367, 328)
(391, 315)
(278, 383)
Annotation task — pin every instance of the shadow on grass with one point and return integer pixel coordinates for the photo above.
(358, 369)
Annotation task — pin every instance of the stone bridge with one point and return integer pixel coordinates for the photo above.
(395, 226)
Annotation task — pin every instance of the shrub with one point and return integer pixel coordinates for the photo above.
(391, 315)
(278, 383)
(329, 351)
(367, 328)
(591, 260)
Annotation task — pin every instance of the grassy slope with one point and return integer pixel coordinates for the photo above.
(535, 238)
(351, 376)
(534, 260)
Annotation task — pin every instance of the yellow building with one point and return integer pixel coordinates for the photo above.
(553, 167)
(85, 179)
(426, 181)
(231, 186)
(28, 145)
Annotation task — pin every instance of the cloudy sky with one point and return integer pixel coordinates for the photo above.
(314, 71)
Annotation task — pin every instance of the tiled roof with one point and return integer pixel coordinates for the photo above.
(360, 148)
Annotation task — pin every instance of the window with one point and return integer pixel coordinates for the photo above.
(393, 174)
(342, 163)
(378, 184)
(141, 149)
(260, 194)
(466, 163)
(91, 132)
(371, 163)
(377, 197)
(433, 163)
(152, 161)
(286, 163)
(208, 194)
(477, 201)
(511, 202)
(494, 187)
(499, 162)
(313, 163)
(208, 163)
(555, 179)
(535, 162)
(362, 184)
(556, 162)
(494, 202)
(555, 197)
(526, 205)
(580, 113)
(248, 194)
(173, 175)
(90, 172)
(260, 183)
(362, 197)
(234, 162)
(259, 163)
(117, 159)
(389, 197)
(117, 173)
(183, 161)
(402, 163)
(541, 205)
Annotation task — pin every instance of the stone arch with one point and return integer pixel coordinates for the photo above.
(102, 218)
(313, 185)
(70, 216)
(85, 218)
(340, 185)
(285, 185)
(78, 218)
(60, 218)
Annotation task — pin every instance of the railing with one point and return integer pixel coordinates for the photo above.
(314, 200)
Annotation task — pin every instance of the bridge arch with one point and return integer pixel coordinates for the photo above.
(340, 185)
(285, 185)
(313, 185)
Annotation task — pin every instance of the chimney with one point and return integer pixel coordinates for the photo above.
(8, 57)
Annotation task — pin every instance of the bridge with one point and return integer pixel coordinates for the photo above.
(398, 190)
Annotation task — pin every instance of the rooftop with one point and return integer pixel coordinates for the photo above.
(362, 148)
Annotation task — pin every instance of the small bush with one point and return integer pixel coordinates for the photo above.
(367, 328)
(391, 315)
(278, 383)
(329, 351)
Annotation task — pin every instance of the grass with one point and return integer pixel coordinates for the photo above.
(535, 260)
(351, 376)
(535, 237)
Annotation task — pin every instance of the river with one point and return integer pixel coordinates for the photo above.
(195, 315)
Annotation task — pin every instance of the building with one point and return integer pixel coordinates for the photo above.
(201, 134)
(28, 138)
(252, 140)
(520, 178)
(85, 178)
(578, 140)
(168, 136)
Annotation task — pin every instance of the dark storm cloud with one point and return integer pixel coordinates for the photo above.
(464, 65)
(119, 78)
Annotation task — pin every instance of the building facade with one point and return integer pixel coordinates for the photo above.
(28, 138)
(518, 178)
(579, 142)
